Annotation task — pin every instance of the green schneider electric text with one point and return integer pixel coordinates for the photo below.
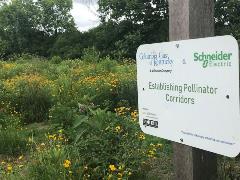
(215, 59)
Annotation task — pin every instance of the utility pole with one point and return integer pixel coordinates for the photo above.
(189, 19)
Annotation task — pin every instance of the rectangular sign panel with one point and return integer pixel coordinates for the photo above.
(189, 92)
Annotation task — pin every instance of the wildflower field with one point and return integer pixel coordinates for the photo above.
(76, 119)
(73, 120)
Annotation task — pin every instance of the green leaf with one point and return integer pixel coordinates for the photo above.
(79, 136)
(79, 121)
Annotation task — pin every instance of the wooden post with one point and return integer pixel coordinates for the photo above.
(190, 19)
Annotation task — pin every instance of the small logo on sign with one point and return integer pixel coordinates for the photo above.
(150, 123)
(156, 58)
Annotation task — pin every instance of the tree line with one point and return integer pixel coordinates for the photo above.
(46, 27)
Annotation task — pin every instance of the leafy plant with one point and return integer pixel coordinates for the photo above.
(54, 163)
(33, 103)
(56, 59)
(13, 142)
(105, 143)
(9, 121)
(62, 115)
(91, 55)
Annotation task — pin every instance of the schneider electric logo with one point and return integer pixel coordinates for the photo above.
(156, 59)
(215, 59)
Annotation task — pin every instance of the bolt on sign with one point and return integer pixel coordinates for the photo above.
(189, 92)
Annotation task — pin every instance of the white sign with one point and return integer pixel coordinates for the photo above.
(188, 92)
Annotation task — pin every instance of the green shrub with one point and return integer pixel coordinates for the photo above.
(99, 144)
(54, 163)
(9, 70)
(127, 90)
(111, 146)
(34, 103)
(9, 121)
(56, 59)
(64, 91)
(101, 147)
(62, 115)
(110, 86)
(107, 65)
(13, 142)
(24, 57)
(91, 55)
(31, 100)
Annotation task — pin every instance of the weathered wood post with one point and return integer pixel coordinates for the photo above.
(192, 19)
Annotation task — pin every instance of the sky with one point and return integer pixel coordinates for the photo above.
(85, 14)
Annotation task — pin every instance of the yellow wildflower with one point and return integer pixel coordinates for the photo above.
(120, 175)
(8, 66)
(52, 137)
(118, 128)
(151, 152)
(122, 110)
(9, 168)
(67, 163)
(120, 168)
(134, 114)
(60, 138)
(141, 136)
(159, 145)
(112, 167)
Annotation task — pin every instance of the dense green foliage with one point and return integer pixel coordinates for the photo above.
(141, 22)
(227, 19)
(46, 28)
(28, 26)
(89, 110)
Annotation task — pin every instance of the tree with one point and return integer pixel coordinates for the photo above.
(137, 22)
(68, 45)
(227, 17)
(15, 25)
(30, 26)
(137, 11)
(143, 21)
(54, 16)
